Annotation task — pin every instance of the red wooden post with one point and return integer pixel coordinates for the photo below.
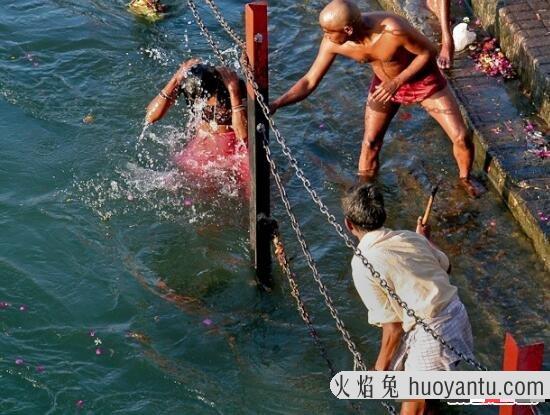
(257, 51)
(520, 358)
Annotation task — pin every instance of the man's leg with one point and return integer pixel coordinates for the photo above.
(377, 119)
(442, 106)
(441, 8)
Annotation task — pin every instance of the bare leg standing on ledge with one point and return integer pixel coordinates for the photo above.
(442, 9)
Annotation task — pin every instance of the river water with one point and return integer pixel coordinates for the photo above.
(124, 291)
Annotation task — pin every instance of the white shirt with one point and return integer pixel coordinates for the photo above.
(413, 267)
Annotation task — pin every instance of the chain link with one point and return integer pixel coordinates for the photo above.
(223, 23)
(248, 73)
(322, 288)
(211, 41)
(358, 363)
(282, 258)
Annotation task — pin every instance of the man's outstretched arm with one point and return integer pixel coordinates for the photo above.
(307, 83)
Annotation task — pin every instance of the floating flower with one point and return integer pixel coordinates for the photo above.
(187, 202)
(543, 154)
(207, 322)
(97, 341)
(4, 305)
(40, 368)
(19, 361)
(536, 141)
(88, 119)
(79, 403)
(490, 60)
(99, 351)
(22, 307)
(92, 333)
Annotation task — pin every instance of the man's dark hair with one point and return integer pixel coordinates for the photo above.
(363, 205)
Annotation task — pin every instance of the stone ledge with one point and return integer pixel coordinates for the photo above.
(520, 178)
(524, 35)
(523, 30)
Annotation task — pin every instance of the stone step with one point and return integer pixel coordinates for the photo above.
(523, 30)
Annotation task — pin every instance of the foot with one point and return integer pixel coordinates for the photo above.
(446, 54)
(472, 187)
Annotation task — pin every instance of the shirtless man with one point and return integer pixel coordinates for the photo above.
(405, 71)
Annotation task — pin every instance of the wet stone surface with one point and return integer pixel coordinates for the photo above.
(524, 32)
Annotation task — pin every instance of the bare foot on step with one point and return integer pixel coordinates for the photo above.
(472, 187)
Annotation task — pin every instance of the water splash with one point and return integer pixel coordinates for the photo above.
(150, 182)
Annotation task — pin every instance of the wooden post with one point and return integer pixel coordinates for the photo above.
(257, 51)
(520, 358)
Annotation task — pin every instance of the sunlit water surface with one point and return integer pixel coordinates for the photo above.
(126, 289)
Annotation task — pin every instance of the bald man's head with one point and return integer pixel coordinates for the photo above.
(339, 14)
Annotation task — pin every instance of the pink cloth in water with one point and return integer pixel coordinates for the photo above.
(215, 156)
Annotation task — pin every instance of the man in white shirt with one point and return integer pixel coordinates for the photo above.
(418, 272)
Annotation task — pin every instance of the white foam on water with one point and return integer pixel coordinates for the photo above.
(150, 182)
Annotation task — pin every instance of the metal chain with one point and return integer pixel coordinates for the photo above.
(211, 41)
(282, 258)
(322, 288)
(248, 73)
(223, 23)
(358, 360)
(339, 229)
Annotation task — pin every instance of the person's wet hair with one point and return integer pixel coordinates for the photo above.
(363, 205)
(203, 82)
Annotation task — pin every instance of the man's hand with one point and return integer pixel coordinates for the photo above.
(273, 107)
(181, 74)
(385, 91)
(423, 230)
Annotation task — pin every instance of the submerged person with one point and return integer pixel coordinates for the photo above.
(217, 150)
(419, 274)
(405, 72)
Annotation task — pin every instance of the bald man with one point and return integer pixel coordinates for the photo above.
(405, 72)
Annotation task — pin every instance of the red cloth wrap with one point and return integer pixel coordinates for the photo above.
(417, 90)
(210, 155)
